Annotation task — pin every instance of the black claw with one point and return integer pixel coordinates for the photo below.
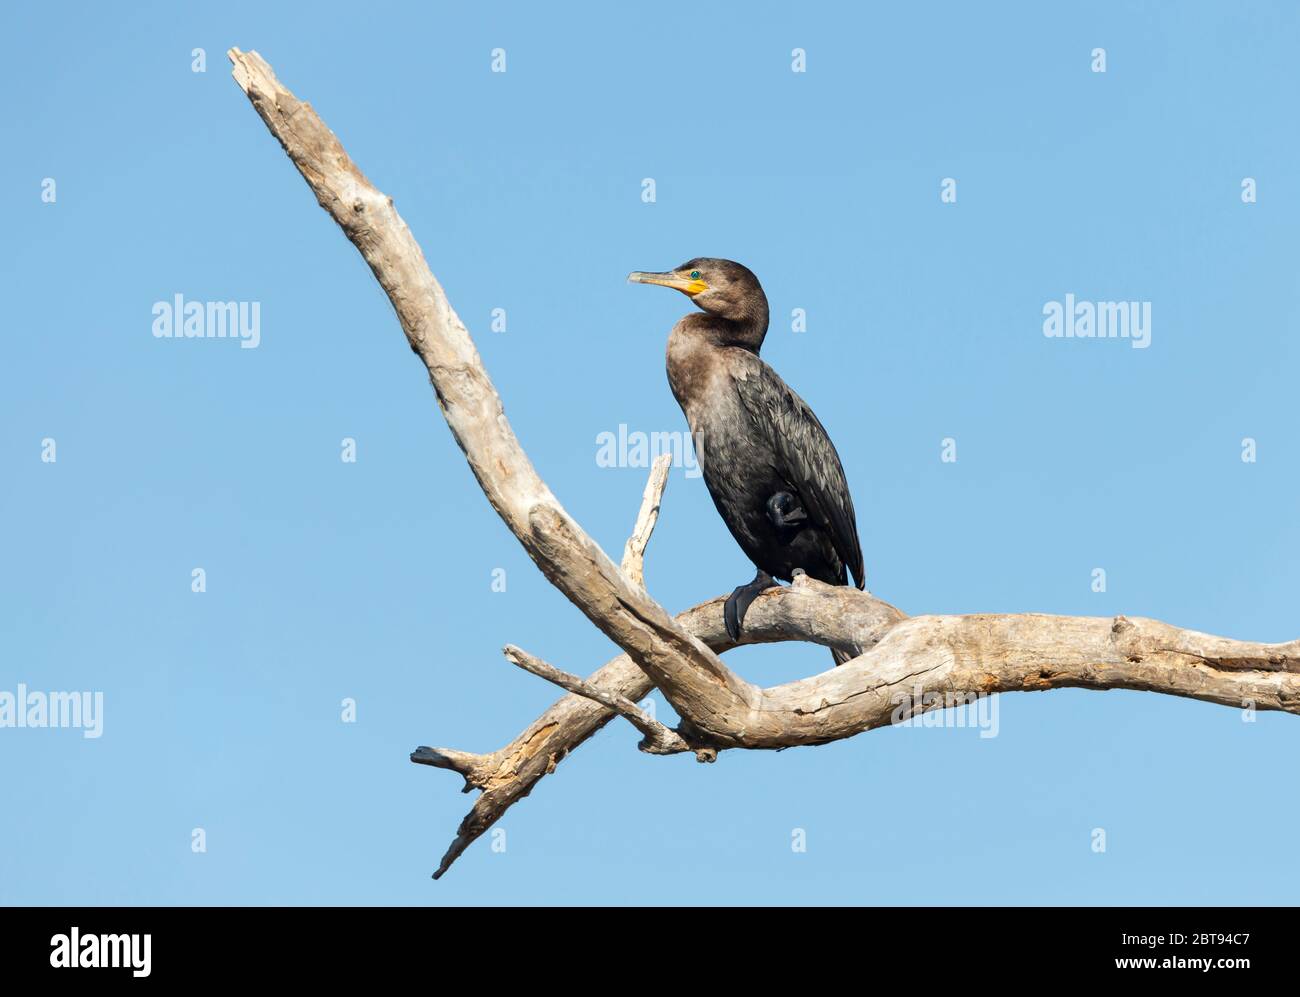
(738, 603)
(729, 616)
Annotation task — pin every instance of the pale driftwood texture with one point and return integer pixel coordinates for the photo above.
(902, 661)
(634, 552)
(659, 738)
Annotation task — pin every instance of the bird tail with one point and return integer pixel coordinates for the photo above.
(841, 656)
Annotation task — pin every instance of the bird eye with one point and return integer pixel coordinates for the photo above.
(695, 275)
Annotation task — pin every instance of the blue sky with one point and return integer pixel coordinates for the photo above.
(373, 580)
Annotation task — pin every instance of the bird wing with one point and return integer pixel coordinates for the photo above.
(806, 456)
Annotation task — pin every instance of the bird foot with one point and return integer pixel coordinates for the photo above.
(785, 512)
(737, 605)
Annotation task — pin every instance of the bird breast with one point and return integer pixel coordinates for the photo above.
(697, 368)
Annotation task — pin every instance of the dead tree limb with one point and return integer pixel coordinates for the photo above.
(634, 552)
(659, 739)
(907, 665)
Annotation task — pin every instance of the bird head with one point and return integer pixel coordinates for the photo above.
(723, 288)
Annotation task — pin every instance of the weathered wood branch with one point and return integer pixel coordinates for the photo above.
(818, 613)
(907, 665)
(569, 558)
(659, 738)
(924, 663)
(634, 551)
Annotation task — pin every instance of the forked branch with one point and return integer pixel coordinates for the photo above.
(905, 660)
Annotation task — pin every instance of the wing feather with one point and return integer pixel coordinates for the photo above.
(807, 458)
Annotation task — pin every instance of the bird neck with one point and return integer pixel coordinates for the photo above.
(746, 330)
(697, 350)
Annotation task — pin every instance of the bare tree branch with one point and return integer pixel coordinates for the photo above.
(659, 739)
(570, 559)
(634, 552)
(907, 665)
(834, 616)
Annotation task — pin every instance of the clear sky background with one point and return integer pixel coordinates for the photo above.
(373, 580)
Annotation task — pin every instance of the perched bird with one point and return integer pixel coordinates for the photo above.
(769, 465)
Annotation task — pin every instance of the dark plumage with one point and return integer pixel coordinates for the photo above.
(767, 461)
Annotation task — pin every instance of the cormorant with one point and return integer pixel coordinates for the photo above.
(769, 465)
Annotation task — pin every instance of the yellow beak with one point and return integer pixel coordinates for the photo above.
(677, 281)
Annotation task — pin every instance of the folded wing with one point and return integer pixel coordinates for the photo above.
(808, 460)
